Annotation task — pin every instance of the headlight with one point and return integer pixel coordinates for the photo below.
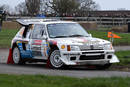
(108, 47)
(73, 48)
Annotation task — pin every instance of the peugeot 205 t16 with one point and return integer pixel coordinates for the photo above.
(60, 43)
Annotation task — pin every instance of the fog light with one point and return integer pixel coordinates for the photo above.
(72, 58)
(63, 47)
(109, 56)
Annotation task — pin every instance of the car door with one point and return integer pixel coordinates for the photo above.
(37, 42)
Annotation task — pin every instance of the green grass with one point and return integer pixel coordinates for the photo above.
(56, 81)
(6, 36)
(124, 57)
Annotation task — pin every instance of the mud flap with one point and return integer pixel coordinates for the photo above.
(10, 57)
(48, 65)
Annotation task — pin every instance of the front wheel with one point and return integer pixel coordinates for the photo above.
(55, 60)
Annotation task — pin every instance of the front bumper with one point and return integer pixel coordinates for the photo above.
(98, 57)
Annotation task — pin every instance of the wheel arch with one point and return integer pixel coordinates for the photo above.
(14, 45)
(53, 47)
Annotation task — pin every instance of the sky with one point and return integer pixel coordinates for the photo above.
(114, 4)
(104, 4)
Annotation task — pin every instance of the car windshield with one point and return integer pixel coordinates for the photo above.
(59, 30)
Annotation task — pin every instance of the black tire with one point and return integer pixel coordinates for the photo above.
(17, 56)
(54, 60)
(104, 67)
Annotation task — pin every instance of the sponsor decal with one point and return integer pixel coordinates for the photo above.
(83, 40)
(79, 40)
(46, 49)
(24, 53)
(53, 42)
(37, 42)
(21, 32)
(92, 43)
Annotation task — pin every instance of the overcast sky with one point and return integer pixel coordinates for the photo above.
(104, 4)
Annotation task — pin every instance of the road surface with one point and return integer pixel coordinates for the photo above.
(70, 72)
(35, 69)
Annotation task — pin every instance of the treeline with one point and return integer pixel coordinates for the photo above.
(59, 8)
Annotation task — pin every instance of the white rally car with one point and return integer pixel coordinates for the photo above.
(60, 43)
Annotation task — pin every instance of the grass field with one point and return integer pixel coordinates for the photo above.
(124, 57)
(56, 81)
(6, 36)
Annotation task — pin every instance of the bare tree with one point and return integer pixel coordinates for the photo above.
(21, 9)
(2, 7)
(57, 7)
(63, 7)
(88, 5)
(44, 8)
(33, 6)
(72, 7)
(6, 8)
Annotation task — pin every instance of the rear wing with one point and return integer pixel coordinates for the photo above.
(26, 22)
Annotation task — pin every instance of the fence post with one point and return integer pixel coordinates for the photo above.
(128, 26)
(0, 21)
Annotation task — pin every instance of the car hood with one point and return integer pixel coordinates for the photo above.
(80, 41)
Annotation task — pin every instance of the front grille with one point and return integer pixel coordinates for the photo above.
(88, 47)
(97, 57)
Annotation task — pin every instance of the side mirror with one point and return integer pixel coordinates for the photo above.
(90, 35)
(44, 37)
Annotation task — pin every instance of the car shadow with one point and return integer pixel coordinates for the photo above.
(74, 68)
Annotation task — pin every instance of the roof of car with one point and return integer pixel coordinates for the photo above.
(41, 21)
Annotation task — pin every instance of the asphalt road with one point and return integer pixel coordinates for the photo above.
(34, 69)
(71, 72)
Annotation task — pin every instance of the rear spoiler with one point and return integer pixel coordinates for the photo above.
(26, 22)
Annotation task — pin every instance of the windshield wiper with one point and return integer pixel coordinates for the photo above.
(77, 35)
(60, 36)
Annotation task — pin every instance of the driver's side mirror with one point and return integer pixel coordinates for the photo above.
(90, 35)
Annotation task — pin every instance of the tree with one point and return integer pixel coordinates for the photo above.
(63, 7)
(33, 7)
(2, 7)
(44, 8)
(21, 9)
(6, 8)
(72, 7)
(57, 7)
(88, 5)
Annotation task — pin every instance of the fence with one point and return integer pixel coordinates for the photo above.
(101, 21)
(15, 25)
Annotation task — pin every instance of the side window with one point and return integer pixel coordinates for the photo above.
(38, 31)
(25, 32)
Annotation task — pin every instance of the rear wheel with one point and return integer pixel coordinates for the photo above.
(17, 57)
(55, 60)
